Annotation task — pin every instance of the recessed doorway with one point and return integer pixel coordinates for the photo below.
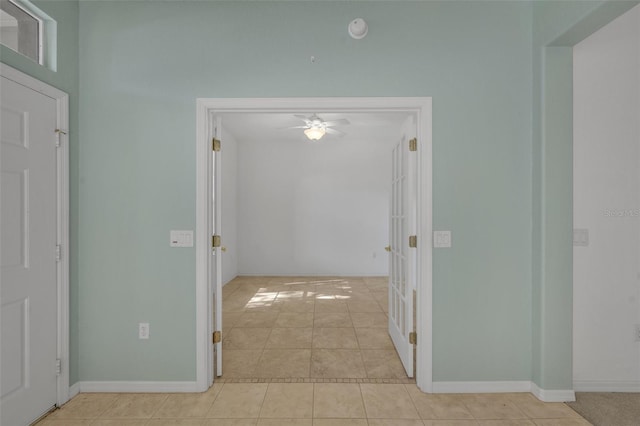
(211, 113)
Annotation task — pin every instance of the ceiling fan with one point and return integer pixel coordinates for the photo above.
(315, 127)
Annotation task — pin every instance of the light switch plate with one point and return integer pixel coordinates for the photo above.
(181, 238)
(441, 239)
(580, 237)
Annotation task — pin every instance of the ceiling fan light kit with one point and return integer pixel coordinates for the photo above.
(314, 133)
(358, 28)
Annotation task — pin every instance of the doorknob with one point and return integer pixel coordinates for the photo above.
(223, 248)
(388, 248)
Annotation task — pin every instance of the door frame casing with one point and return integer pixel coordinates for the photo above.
(421, 106)
(62, 224)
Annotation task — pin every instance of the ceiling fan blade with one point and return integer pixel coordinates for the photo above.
(339, 122)
(335, 132)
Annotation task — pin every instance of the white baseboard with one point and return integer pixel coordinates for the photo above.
(74, 390)
(605, 386)
(150, 387)
(504, 387)
(546, 395)
(481, 387)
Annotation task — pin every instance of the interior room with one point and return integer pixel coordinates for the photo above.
(533, 149)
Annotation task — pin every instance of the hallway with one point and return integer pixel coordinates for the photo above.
(308, 329)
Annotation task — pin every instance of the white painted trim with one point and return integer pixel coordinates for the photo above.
(203, 327)
(545, 395)
(62, 122)
(605, 386)
(421, 106)
(482, 387)
(147, 387)
(74, 390)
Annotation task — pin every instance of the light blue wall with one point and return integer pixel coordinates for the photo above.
(144, 63)
(502, 295)
(65, 13)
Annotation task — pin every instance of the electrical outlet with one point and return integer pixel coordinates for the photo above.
(637, 332)
(143, 330)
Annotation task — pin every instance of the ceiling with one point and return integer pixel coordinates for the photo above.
(253, 127)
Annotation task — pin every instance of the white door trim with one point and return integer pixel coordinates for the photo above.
(421, 106)
(62, 123)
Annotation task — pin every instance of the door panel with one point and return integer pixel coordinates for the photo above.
(29, 236)
(402, 263)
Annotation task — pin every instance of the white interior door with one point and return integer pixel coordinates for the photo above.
(402, 267)
(215, 225)
(28, 219)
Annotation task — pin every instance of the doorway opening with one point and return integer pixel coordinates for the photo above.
(211, 113)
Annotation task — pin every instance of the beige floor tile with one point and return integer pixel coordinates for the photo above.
(284, 363)
(494, 409)
(331, 306)
(369, 319)
(383, 364)
(561, 422)
(297, 306)
(72, 422)
(520, 422)
(119, 422)
(238, 400)
(373, 338)
(230, 422)
(340, 422)
(85, 406)
(450, 423)
(290, 338)
(135, 406)
(238, 363)
(288, 400)
(175, 422)
(337, 400)
(422, 402)
(186, 405)
(395, 422)
(546, 410)
(334, 338)
(364, 307)
(332, 319)
(246, 338)
(285, 422)
(294, 319)
(256, 319)
(230, 318)
(388, 402)
(337, 363)
(449, 407)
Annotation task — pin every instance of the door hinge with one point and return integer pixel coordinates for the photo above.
(413, 241)
(413, 338)
(58, 133)
(215, 241)
(58, 253)
(217, 337)
(413, 144)
(58, 367)
(215, 144)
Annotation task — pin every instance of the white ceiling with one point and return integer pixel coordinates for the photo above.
(253, 127)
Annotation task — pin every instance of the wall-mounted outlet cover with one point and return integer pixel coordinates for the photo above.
(143, 330)
(181, 238)
(441, 239)
(637, 332)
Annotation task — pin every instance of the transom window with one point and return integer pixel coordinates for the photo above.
(21, 30)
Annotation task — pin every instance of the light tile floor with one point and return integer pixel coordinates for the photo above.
(311, 404)
(311, 328)
(316, 330)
